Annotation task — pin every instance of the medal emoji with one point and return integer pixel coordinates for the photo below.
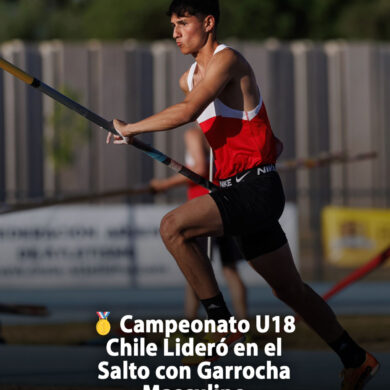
(103, 327)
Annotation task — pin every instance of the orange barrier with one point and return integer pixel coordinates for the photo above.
(359, 273)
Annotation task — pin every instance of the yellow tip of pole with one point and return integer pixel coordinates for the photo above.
(8, 67)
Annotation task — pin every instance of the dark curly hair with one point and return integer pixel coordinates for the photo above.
(195, 7)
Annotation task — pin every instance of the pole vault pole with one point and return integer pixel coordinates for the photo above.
(107, 125)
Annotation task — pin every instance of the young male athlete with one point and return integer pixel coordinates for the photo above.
(223, 96)
(197, 159)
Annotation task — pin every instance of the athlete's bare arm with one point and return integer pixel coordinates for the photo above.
(225, 70)
(195, 144)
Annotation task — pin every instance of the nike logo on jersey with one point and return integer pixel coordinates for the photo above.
(238, 179)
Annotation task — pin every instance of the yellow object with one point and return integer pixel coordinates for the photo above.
(103, 327)
(351, 237)
(8, 67)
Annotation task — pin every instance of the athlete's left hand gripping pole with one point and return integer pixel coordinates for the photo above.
(107, 125)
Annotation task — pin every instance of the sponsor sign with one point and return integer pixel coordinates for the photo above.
(352, 236)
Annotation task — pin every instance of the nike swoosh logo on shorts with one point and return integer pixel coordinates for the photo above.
(238, 179)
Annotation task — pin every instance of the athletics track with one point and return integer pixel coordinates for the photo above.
(77, 366)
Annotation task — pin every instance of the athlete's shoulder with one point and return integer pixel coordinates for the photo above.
(227, 54)
(227, 59)
(233, 62)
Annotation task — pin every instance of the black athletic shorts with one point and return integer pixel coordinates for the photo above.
(250, 208)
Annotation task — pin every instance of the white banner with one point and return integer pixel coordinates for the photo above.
(97, 246)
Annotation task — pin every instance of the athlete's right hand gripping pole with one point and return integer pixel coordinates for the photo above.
(98, 120)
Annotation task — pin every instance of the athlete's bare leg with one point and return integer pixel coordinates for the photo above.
(237, 290)
(198, 217)
(279, 270)
(191, 304)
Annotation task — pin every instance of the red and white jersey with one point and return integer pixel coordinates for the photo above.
(240, 139)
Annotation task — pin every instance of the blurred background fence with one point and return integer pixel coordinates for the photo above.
(327, 97)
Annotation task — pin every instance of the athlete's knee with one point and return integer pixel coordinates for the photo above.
(170, 229)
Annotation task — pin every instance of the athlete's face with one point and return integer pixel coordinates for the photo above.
(189, 32)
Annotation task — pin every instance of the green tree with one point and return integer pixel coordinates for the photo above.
(70, 132)
(145, 20)
(139, 19)
(366, 20)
